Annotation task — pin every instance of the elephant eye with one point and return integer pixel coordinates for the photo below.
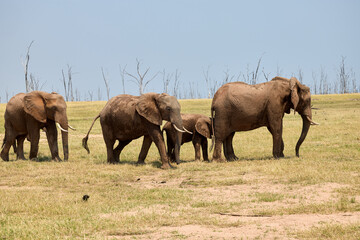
(168, 108)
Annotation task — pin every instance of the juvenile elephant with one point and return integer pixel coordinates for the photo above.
(200, 129)
(238, 106)
(26, 114)
(126, 117)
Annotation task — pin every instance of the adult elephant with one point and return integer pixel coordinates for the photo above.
(200, 130)
(126, 117)
(26, 114)
(238, 106)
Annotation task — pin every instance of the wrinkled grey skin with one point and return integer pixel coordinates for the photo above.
(26, 114)
(238, 106)
(199, 125)
(126, 117)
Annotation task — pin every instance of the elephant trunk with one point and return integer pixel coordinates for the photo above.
(305, 129)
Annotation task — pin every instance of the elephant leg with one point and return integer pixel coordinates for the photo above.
(10, 140)
(34, 144)
(278, 143)
(196, 141)
(52, 137)
(170, 147)
(217, 150)
(147, 141)
(119, 148)
(281, 144)
(229, 149)
(204, 146)
(20, 147)
(158, 139)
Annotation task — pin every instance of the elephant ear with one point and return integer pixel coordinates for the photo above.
(34, 104)
(294, 92)
(147, 108)
(202, 126)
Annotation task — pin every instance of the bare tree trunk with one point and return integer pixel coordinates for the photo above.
(99, 94)
(26, 66)
(106, 84)
(166, 81)
(176, 84)
(122, 74)
(343, 77)
(315, 82)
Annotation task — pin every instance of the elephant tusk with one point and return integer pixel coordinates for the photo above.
(58, 125)
(187, 130)
(72, 128)
(177, 129)
(311, 121)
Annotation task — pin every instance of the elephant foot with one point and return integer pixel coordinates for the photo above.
(232, 158)
(219, 160)
(57, 159)
(140, 162)
(21, 158)
(4, 156)
(166, 166)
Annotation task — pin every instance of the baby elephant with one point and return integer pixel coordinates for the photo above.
(199, 125)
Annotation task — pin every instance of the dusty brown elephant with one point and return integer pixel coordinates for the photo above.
(26, 114)
(238, 106)
(126, 117)
(200, 130)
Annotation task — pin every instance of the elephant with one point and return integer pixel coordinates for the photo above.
(237, 106)
(127, 117)
(200, 130)
(26, 114)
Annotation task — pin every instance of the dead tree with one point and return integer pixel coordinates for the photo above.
(26, 66)
(227, 77)
(324, 87)
(314, 77)
(166, 80)
(106, 84)
(139, 80)
(99, 94)
(343, 77)
(122, 74)
(176, 84)
(210, 83)
(300, 75)
(34, 83)
(68, 86)
(91, 95)
(354, 87)
(266, 75)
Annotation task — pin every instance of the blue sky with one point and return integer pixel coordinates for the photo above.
(191, 36)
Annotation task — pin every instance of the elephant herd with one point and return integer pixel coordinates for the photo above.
(236, 106)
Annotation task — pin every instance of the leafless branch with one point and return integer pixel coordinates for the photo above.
(26, 66)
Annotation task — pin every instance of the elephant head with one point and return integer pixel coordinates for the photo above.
(44, 106)
(203, 126)
(157, 107)
(301, 102)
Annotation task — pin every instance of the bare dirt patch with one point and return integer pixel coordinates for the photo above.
(277, 227)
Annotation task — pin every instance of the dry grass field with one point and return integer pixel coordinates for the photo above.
(257, 197)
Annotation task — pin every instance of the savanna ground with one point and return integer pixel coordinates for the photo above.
(257, 197)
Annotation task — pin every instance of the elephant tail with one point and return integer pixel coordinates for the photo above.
(212, 128)
(85, 139)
